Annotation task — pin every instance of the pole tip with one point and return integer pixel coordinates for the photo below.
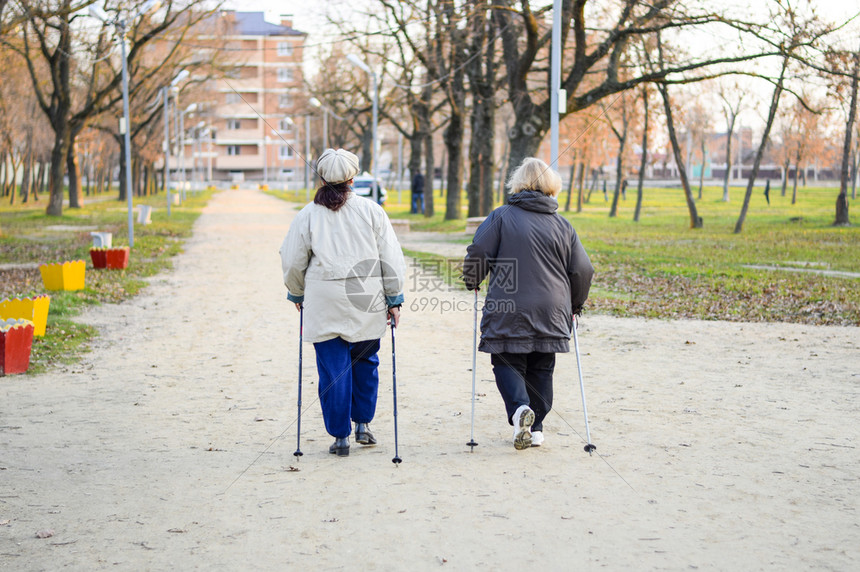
(471, 444)
(589, 448)
(298, 453)
(396, 460)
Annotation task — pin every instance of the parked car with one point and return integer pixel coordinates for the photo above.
(362, 185)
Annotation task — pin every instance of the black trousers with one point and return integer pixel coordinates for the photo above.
(525, 379)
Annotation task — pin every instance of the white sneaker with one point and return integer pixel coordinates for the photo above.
(523, 419)
(537, 438)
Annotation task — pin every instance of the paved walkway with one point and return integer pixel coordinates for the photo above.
(170, 446)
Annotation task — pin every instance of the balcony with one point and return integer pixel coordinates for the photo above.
(239, 162)
(239, 135)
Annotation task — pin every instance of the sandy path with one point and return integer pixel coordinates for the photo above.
(722, 445)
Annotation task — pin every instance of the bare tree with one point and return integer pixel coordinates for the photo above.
(620, 129)
(597, 53)
(48, 38)
(643, 163)
(774, 105)
(482, 71)
(732, 101)
(842, 218)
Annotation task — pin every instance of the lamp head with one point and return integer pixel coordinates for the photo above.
(179, 77)
(356, 61)
(97, 12)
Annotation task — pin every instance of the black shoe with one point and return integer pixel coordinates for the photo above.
(340, 447)
(363, 434)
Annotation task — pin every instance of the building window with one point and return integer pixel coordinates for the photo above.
(232, 97)
(285, 125)
(234, 124)
(286, 174)
(284, 100)
(233, 150)
(285, 49)
(285, 74)
(285, 152)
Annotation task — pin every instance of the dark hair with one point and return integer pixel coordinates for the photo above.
(332, 195)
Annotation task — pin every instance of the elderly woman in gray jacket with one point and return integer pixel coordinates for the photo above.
(343, 264)
(540, 275)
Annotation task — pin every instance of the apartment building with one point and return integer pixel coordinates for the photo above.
(255, 133)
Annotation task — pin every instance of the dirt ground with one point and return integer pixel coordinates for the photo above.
(720, 446)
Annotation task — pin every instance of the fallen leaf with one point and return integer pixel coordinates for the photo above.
(47, 533)
(178, 530)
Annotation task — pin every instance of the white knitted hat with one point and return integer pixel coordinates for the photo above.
(337, 166)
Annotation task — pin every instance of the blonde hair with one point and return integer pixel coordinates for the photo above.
(535, 175)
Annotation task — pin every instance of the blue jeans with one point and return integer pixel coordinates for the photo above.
(349, 382)
(525, 379)
(417, 203)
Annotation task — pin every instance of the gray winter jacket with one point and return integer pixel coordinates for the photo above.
(539, 276)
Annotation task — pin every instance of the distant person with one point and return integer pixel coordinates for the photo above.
(417, 193)
(342, 263)
(540, 276)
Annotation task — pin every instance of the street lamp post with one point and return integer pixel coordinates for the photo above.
(307, 156)
(190, 109)
(125, 124)
(288, 121)
(374, 158)
(318, 104)
(555, 82)
(266, 140)
(165, 91)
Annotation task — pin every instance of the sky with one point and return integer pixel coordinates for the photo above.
(310, 16)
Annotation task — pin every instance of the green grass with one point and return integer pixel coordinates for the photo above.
(29, 237)
(660, 267)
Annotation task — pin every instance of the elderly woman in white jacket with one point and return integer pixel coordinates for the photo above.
(343, 264)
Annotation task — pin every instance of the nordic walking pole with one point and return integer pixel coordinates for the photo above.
(396, 460)
(471, 442)
(298, 452)
(589, 447)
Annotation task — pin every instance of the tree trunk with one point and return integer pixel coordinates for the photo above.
(796, 175)
(619, 170)
(571, 183)
(11, 174)
(482, 77)
(580, 182)
(842, 199)
(73, 171)
(702, 171)
(774, 105)
(593, 186)
(39, 183)
(643, 164)
(522, 146)
(695, 219)
(854, 169)
(59, 156)
(730, 124)
(430, 169)
(123, 180)
(785, 167)
(480, 186)
(27, 174)
(366, 150)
